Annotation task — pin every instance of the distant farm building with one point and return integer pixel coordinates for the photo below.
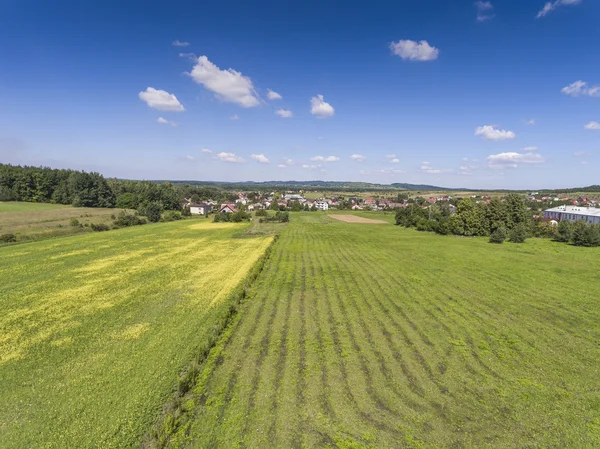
(200, 208)
(573, 213)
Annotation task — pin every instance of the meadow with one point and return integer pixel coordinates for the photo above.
(361, 335)
(38, 221)
(96, 329)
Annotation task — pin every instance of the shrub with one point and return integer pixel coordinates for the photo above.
(518, 234)
(186, 212)
(74, 222)
(498, 236)
(172, 215)
(100, 227)
(261, 213)
(240, 216)
(222, 217)
(564, 232)
(585, 234)
(8, 238)
(124, 219)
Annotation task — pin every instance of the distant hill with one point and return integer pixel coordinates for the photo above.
(321, 185)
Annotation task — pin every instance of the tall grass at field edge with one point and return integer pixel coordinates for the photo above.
(175, 413)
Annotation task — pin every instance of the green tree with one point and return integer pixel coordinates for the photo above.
(153, 211)
(518, 234)
(499, 235)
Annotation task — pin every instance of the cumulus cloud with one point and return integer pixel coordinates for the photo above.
(395, 161)
(320, 108)
(358, 157)
(513, 160)
(206, 151)
(228, 157)
(228, 85)
(414, 51)
(593, 126)
(288, 161)
(466, 170)
(529, 149)
(313, 167)
(383, 171)
(272, 95)
(551, 6)
(261, 158)
(581, 88)
(484, 10)
(164, 121)
(282, 166)
(488, 132)
(284, 113)
(177, 43)
(325, 159)
(161, 100)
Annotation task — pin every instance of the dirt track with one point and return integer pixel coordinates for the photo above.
(355, 219)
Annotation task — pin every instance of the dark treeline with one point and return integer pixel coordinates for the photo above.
(81, 189)
(508, 217)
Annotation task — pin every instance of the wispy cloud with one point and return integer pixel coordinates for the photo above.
(325, 159)
(488, 132)
(234, 117)
(164, 121)
(530, 122)
(551, 6)
(228, 157)
(228, 85)
(320, 108)
(427, 168)
(595, 126)
(414, 51)
(513, 160)
(161, 100)
(527, 149)
(206, 151)
(358, 158)
(581, 88)
(177, 43)
(484, 11)
(383, 171)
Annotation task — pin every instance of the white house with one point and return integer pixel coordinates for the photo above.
(322, 205)
(573, 213)
(200, 208)
(228, 208)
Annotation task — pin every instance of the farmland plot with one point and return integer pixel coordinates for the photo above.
(371, 335)
(95, 329)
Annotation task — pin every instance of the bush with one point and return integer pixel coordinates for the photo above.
(240, 216)
(8, 238)
(518, 234)
(74, 222)
(186, 212)
(172, 215)
(261, 213)
(124, 219)
(153, 211)
(498, 236)
(585, 234)
(564, 232)
(222, 217)
(100, 227)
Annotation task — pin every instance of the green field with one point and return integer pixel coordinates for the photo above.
(39, 221)
(378, 336)
(95, 329)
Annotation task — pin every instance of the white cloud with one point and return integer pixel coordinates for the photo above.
(228, 157)
(551, 6)
(284, 113)
(190, 158)
(395, 161)
(206, 151)
(390, 156)
(414, 51)
(530, 122)
(579, 88)
(320, 108)
(325, 159)
(593, 126)
(228, 85)
(427, 168)
(164, 121)
(466, 170)
(383, 171)
(513, 160)
(484, 10)
(581, 154)
(234, 117)
(177, 43)
(282, 166)
(260, 158)
(288, 161)
(161, 100)
(490, 133)
(313, 167)
(529, 149)
(358, 157)
(272, 95)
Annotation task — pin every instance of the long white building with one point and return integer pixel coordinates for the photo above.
(573, 213)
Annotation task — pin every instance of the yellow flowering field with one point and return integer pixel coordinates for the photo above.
(95, 329)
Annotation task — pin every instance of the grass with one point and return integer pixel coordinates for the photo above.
(39, 221)
(378, 336)
(96, 329)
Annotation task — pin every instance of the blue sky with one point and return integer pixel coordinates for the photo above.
(500, 94)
